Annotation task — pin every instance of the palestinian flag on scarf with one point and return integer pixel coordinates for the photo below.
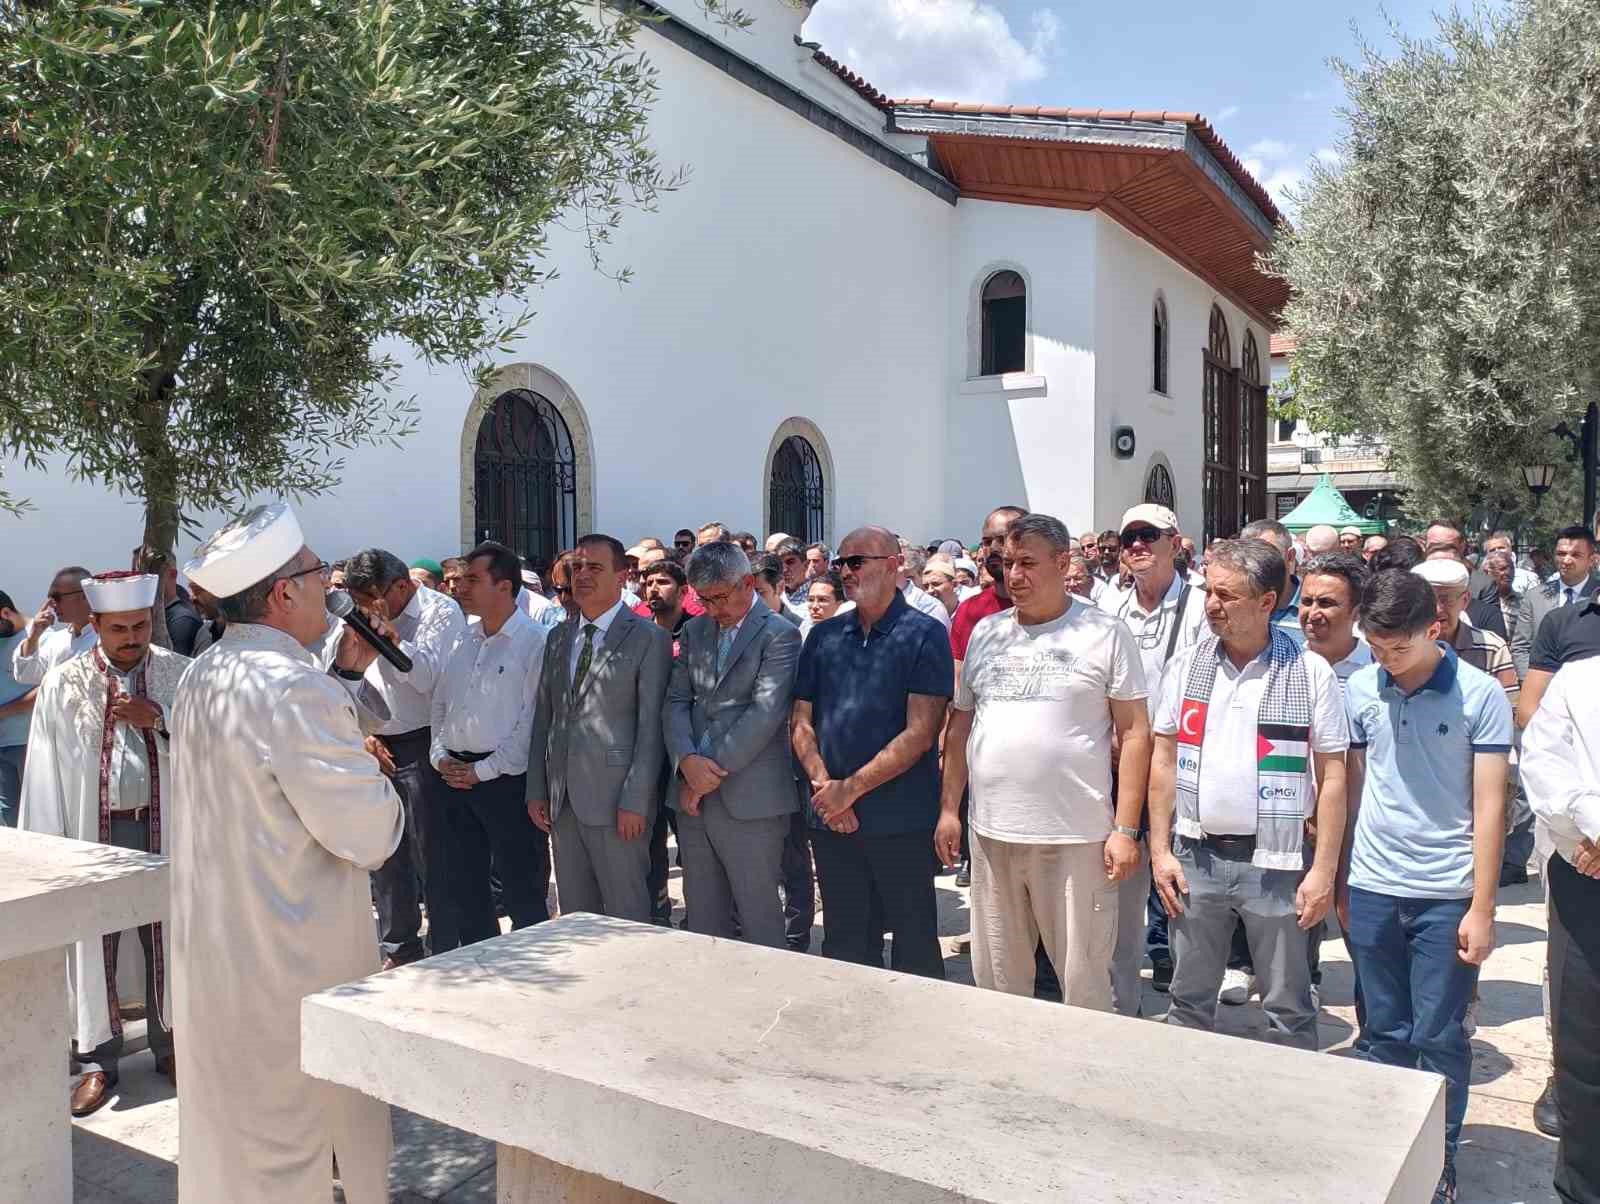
(1281, 747)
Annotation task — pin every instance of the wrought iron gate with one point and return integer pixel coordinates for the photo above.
(796, 498)
(525, 477)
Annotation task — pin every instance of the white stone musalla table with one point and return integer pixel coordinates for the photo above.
(53, 892)
(621, 1062)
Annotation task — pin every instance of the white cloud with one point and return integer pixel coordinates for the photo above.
(1228, 113)
(1329, 156)
(1269, 148)
(946, 49)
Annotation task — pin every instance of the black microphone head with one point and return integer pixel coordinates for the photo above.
(340, 604)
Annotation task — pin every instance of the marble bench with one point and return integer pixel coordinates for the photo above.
(620, 1062)
(53, 892)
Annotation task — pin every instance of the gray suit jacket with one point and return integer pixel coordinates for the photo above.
(600, 750)
(1536, 604)
(738, 719)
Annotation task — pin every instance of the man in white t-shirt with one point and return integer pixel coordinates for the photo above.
(1043, 688)
(1250, 737)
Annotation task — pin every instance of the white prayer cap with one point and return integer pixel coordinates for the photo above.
(531, 579)
(965, 562)
(247, 550)
(113, 593)
(1442, 572)
(1349, 530)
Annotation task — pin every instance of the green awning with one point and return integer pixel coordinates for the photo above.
(1326, 505)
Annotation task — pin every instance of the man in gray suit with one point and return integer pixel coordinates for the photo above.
(595, 760)
(1575, 582)
(726, 726)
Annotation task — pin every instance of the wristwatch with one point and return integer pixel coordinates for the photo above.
(1124, 830)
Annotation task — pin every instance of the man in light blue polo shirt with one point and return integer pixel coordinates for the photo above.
(1430, 738)
(16, 711)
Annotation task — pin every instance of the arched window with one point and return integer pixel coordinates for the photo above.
(1219, 403)
(1158, 489)
(1158, 377)
(1004, 304)
(1252, 434)
(796, 496)
(525, 477)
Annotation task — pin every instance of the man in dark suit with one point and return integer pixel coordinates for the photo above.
(1575, 582)
(727, 740)
(595, 761)
(1495, 607)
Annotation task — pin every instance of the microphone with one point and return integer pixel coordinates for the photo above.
(342, 606)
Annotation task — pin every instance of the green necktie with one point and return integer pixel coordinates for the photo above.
(585, 655)
(724, 644)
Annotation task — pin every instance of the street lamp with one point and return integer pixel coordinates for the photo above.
(1538, 478)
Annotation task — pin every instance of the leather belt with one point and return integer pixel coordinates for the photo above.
(1230, 846)
(414, 736)
(467, 757)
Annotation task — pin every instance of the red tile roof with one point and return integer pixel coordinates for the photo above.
(862, 88)
(1283, 344)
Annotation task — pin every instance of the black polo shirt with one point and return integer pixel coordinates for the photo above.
(1569, 634)
(858, 687)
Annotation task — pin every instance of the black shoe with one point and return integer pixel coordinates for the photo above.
(1513, 875)
(1546, 1116)
(964, 874)
(1161, 976)
(1445, 1192)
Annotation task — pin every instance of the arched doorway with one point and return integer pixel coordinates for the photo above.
(796, 491)
(1158, 486)
(524, 472)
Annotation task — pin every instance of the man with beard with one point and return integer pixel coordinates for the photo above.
(664, 585)
(97, 770)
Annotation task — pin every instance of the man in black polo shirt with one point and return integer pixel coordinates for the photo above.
(870, 699)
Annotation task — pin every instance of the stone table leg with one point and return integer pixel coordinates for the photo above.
(35, 1128)
(522, 1177)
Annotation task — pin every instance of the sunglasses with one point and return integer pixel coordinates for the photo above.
(854, 563)
(1144, 535)
(58, 595)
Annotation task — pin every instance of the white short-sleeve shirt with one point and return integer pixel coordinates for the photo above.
(1229, 750)
(1039, 757)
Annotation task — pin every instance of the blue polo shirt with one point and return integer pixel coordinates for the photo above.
(13, 728)
(857, 687)
(1413, 838)
(1287, 617)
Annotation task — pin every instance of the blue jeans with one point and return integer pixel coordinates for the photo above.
(1416, 990)
(11, 762)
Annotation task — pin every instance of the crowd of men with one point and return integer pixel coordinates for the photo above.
(1127, 751)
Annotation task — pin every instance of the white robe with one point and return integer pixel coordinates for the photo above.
(283, 815)
(61, 795)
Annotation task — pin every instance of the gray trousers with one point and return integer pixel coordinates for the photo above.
(1132, 894)
(728, 863)
(598, 871)
(1222, 889)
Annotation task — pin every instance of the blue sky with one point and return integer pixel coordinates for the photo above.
(1257, 69)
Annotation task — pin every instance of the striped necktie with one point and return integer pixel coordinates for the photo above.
(724, 646)
(585, 655)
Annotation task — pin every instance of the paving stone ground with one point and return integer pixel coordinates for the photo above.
(127, 1152)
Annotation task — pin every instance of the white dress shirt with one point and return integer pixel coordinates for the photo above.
(130, 757)
(603, 623)
(429, 628)
(1560, 760)
(537, 607)
(484, 701)
(55, 647)
(920, 599)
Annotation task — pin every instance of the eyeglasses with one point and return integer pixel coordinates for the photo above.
(854, 563)
(322, 566)
(1144, 535)
(59, 595)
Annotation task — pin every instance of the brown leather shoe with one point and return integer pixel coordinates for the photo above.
(394, 963)
(91, 1093)
(167, 1064)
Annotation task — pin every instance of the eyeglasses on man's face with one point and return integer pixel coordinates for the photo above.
(854, 563)
(61, 595)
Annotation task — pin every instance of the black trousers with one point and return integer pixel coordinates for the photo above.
(400, 883)
(899, 869)
(489, 824)
(799, 884)
(1574, 953)
(656, 883)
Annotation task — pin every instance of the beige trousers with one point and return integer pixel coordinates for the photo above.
(1056, 893)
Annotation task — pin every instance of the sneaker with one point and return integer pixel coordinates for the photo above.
(1237, 987)
(1445, 1193)
(964, 874)
(1161, 975)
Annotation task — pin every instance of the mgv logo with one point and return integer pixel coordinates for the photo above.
(1271, 793)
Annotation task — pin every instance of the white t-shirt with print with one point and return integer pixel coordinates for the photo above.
(1039, 758)
(1229, 752)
